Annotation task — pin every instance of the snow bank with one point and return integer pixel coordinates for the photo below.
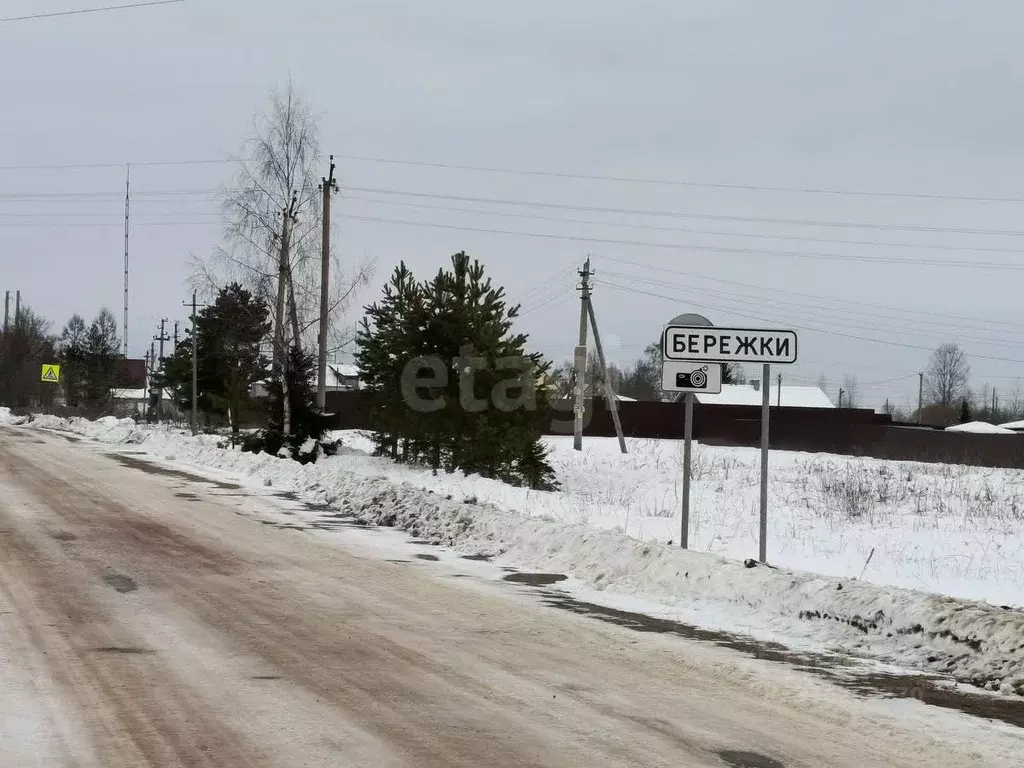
(980, 428)
(973, 641)
(6, 417)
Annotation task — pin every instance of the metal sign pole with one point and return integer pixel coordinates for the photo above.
(765, 384)
(684, 525)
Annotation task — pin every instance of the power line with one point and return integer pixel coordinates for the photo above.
(696, 248)
(829, 299)
(953, 320)
(887, 342)
(149, 164)
(815, 313)
(685, 230)
(682, 183)
(79, 11)
(687, 215)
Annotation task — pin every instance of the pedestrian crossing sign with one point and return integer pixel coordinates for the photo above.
(51, 374)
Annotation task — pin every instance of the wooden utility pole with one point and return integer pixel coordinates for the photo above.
(327, 186)
(608, 391)
(160, 360)
(281, 348)
(283, 273)
(580, 357)
(175, 336)
(195, 363)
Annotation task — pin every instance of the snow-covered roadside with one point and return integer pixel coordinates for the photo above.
(974, 642)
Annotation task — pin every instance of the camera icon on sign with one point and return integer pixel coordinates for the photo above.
(695, 379)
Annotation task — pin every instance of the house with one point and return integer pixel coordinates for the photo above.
(750, 394)
(342, 377)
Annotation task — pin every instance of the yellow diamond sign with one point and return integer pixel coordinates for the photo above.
(51, 374)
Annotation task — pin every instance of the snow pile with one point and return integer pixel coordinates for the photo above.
(975, 642)
(980, 428)
(6, 417)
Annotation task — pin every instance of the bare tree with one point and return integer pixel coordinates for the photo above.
(945, 379)
(273, 209)
(282, 162)
(851, 391)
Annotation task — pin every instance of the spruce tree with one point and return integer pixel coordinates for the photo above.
(482, 415)
(308, 423)
(389, 337)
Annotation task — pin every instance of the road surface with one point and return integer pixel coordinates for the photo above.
(147, 624)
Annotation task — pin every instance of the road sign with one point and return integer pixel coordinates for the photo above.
(51, 374)
(728, 345)
(686, 376)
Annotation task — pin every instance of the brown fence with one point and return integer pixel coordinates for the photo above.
(856, 432)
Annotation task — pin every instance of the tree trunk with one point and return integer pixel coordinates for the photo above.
(293, 310)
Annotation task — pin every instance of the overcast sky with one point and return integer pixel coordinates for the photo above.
(916, 97)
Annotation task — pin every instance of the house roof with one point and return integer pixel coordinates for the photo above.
(1016, 426)
(341, 371)
(745, 394)
(980, 427)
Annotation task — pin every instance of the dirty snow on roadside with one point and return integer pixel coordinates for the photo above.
(603, 530)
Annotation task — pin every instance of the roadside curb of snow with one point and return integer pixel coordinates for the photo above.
(973, 642)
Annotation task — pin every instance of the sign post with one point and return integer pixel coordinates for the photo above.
(693, 353)
(762, 549)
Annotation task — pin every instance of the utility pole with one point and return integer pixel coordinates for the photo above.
(920, 396)
(127, 211)
(327, 186)
(152, 372)
(175, 336)
(160, 361)
(608, 391)
(581, 360)
(145, 400)
(7, 312)
(195, 364)
(17, 310)
(779, 395)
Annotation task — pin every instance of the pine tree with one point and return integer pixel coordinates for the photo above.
(229, 359)
(480, 411)
(386, 340)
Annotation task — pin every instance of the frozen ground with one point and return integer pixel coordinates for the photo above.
(931, 526)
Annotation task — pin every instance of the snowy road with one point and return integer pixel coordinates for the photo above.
(146, 623)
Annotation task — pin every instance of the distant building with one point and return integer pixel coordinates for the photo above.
(750, 394)
(341, 377)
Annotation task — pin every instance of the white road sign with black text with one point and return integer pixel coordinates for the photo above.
(729, 345)
(684, 376)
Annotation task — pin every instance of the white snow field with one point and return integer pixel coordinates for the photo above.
(933, 529)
